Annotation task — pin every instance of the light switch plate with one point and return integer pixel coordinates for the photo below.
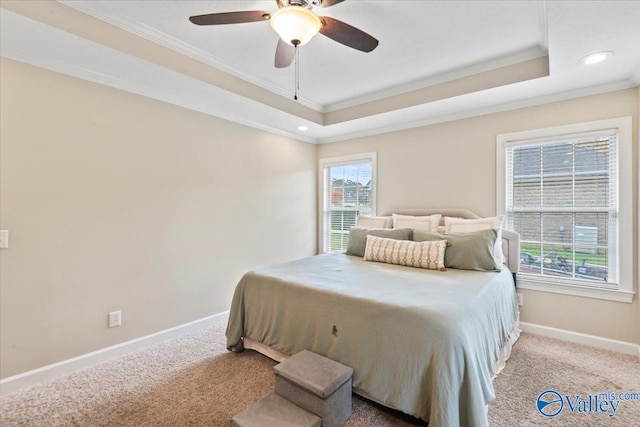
(4, 239)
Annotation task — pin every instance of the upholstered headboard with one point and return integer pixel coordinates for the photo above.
(510, 239)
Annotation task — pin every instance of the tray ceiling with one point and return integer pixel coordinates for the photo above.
(436, 61)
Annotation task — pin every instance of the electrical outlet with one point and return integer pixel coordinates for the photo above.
(115, 319)
(520, 299)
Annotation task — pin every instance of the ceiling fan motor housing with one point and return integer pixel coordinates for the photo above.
(302, 3)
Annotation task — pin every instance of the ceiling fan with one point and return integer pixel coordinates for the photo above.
(296, 23)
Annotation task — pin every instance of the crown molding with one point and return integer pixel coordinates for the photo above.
(31, 42)
(121, 84)
(163, 39)
(182, 100)
(529, 54)
(531, 102)
(186, 101)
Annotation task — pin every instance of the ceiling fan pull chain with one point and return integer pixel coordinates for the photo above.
(297, 74)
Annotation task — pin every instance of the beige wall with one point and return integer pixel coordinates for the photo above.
(453, 165)
(118, 202)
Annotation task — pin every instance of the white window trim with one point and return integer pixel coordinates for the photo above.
(336, 161)
(624, 293)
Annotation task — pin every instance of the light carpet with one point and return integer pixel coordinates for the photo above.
(194, 381)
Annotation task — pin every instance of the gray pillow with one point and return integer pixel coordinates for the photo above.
(468, 251)
(358, 237)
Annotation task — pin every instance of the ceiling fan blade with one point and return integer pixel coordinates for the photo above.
(282, 3)
(347, 34)
(329, 3)
(284, 54)
(231, 17)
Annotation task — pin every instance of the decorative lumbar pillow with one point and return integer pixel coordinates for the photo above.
(461, 225)
(374, 221)
(467, 251)
(428, 223)
(358, 237)
(428, 254)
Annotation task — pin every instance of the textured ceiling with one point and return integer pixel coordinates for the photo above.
(436, 61)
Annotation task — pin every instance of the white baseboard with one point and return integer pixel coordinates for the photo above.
(68, 366)
(579, 338)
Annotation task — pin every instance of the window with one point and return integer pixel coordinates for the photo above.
(347, 190)
(567, 192)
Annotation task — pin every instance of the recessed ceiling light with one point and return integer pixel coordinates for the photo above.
(303, 128)
(595, 58)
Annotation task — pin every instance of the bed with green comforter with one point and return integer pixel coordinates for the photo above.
(421, 341)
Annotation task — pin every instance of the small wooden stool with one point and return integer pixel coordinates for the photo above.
(317, 384)
(275, 411)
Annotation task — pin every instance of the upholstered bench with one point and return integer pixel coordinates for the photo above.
(275, 411)
(317, 384)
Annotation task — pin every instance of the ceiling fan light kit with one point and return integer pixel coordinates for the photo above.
(295, 25)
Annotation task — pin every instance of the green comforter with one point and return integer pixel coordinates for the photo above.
(424, 342)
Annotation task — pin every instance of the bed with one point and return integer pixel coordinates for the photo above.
(427, 343)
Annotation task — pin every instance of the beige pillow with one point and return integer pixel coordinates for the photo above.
(366, 221)
(461, 225)
(427, 223)
(428, 255)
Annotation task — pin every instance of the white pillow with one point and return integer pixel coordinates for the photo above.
(374, 221)
(428, 255)
(461, 225)
(427, 223)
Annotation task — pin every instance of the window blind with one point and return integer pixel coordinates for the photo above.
(347, 194)
(562, 197)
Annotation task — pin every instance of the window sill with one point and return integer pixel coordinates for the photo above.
(619, 295)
